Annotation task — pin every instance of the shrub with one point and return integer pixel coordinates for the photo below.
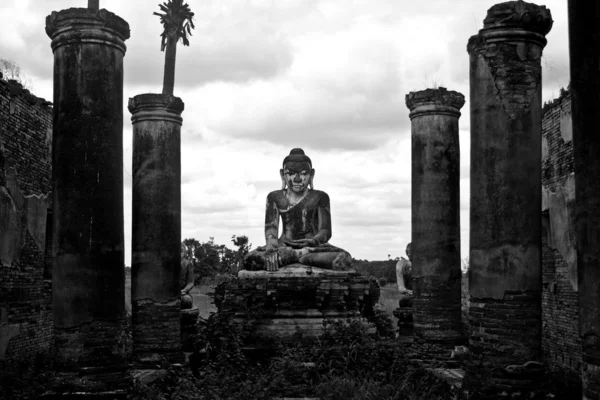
(382, 321)
(346, 362)
(27, 379)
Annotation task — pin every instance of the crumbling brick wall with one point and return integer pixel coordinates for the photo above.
(561, 342)
(25, 198)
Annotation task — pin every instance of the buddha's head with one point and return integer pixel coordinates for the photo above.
(409, 251)
(297, 172)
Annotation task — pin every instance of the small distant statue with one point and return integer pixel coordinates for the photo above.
(186, 280)
(404, 272)
(306, 216)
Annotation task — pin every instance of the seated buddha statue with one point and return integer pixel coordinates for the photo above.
(404, 272)
(186, 280)
(306, 217)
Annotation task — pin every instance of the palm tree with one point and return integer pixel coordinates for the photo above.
(177, 23)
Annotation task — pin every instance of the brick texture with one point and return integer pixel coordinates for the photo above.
(26, 135)
(292, 305)
(561, 343)
(156, 331)
(26, 321)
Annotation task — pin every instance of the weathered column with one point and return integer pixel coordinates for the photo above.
(584, 48)
(88, 276)
(156, 223)
(436, 274)
(505, 274)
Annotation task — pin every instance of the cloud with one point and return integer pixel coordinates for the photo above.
(327, 100)
(343, 90)
(233, 42)
(227, 45)
(263, 76)
(555, 60)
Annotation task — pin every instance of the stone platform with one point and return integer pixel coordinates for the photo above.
(295, 300)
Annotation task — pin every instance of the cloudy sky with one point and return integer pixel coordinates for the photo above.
(263, 76)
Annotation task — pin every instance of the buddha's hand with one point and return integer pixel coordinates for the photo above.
(272, 244)
(406, 291)
(304, 242)
(272, 260)
(271, 256)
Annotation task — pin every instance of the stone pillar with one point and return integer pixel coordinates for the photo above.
(505, 275)
(436, 273)
(156, 223)
(584, 47)
(88, 276)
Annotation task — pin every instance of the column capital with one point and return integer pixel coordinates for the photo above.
(434, 101)
(82, 25)
(153, 106)
(513, 20)
(519, 15)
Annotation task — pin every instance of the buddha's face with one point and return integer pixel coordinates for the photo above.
(409, 252)
(297, 176)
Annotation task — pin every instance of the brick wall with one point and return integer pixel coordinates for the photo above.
(156, 331)
(561, 342)
(26, 319)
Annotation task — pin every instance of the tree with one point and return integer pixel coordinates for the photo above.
(191, 246)
(210, 259)
(243, 245)
(177, 23)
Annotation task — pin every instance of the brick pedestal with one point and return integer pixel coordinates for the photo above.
(295, 300)
(189, 319)
(404, 313)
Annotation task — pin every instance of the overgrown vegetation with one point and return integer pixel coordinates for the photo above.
(27, 380)
(347, 362)
(10, 70)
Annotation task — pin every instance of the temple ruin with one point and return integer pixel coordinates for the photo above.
(26, 318)
(535, 208)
